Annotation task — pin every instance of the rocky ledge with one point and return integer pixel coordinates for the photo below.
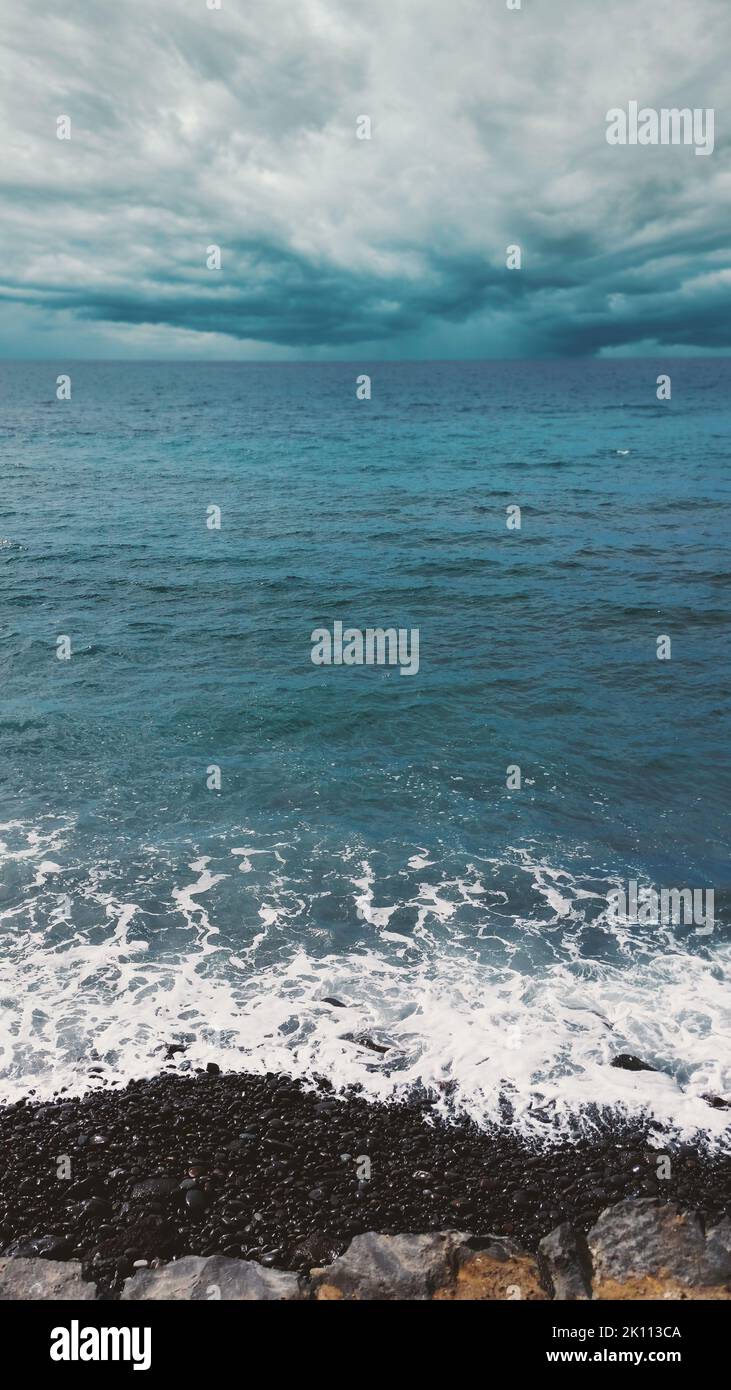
(637, 1250)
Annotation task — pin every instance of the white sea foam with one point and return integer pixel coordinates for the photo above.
(478, 1026)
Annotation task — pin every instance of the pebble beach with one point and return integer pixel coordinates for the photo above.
(268, 1169)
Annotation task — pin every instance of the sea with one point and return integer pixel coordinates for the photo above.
(389, 881)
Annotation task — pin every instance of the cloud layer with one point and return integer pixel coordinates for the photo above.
(237, 127)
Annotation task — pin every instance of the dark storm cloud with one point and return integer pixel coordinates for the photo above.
(193, 127)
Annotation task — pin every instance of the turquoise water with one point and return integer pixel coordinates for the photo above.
(364, 843)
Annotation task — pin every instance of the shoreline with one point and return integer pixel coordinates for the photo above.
(261, 1168)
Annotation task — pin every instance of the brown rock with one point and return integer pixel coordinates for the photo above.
(446, 1267)
(496, 1273)
(644, 1250)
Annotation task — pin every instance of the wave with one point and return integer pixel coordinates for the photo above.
(501, 1011)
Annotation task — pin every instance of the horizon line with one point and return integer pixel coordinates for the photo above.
(381, 361)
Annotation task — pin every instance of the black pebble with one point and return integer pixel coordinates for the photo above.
(195, 1199)
(626, 1062)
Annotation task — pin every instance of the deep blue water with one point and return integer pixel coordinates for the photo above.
(191, 647)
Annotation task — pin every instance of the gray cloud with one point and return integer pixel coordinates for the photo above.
(237, 127)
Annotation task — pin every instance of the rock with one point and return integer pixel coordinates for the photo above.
(644, 1249)
(313, 1250)
(23, 1280)
(213, 1069)
(48, 1247)
(195, 1200)
(155, 1187)
(716, 1259)
(629, 1063)
(717, 1102)
(495, 1271)
(336, 1003)
(388, 1267)
(94, 1206)
(444, 1266)
(569, 1263)
(363, 1040)
(195, 1278)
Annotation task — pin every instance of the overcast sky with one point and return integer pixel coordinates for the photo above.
(193, 126)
